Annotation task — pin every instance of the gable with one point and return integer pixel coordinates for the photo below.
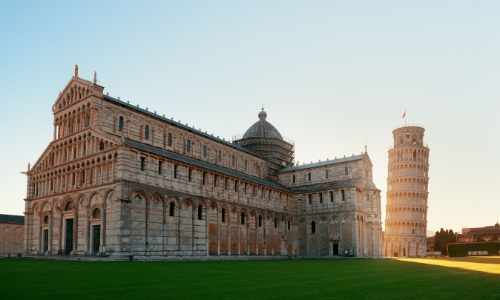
(48, 159)
(75, 91)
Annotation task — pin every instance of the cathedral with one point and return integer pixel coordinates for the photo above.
(119, 180)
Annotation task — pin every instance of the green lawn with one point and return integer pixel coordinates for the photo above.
(287, 279)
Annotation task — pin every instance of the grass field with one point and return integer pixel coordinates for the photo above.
(287, 279)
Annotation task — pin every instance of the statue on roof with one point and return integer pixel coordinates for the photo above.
(76, 70)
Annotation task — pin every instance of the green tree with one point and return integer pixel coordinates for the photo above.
(479, 238)
(495, 237)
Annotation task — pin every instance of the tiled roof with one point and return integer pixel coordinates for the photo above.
(325, 186)
(203, 165)
(178, 124)
(11, 219)
(323, 163)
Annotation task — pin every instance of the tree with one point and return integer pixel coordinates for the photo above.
(497, 224)
(437, 241)
(479, 238)
(495, 237)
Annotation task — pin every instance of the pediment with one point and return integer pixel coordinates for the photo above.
(45, 159)
(75, 91)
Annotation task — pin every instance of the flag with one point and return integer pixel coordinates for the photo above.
(404, 114)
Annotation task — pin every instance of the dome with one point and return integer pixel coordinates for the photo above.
(262, 129)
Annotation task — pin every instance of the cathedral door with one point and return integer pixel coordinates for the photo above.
(45, 240)
(335, 249)
(69, 236)
(96, 238)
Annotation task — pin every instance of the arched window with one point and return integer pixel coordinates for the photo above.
(169, 140)
(188, 146)
(260, 221)
(313, 227)
(223, 215)
(204, 150)
(172, 209)
(219, 156)
(146, 132)
(120, 124)
(96, 214)
(200, 212)
(242, 218)
(46, 220)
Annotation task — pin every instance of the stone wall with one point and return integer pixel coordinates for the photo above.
(11, 238)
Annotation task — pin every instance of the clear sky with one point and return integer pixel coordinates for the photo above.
(333, 75)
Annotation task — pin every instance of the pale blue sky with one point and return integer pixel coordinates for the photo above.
(332, 74)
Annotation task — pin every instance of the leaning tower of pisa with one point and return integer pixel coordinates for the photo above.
(407, 193)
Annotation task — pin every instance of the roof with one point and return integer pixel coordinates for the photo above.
(325, 186)
(203, 165)
(262, 129)
(323, 163)
(11, 219)
(170, 121)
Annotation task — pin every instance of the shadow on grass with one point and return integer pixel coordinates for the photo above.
(291, 279)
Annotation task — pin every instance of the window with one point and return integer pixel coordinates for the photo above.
(175, 171)
(143, 159)
(232, 161)
(275, 222)
(146, 132)
(332, 196)
(188, 146)
(120, 124)
(96, 215)
(245, 165)
(200, 212)
(204, 150)
(343, 195)
(407, 134)
(204, 179)
(320, 197)
(310, 198)
(367, 197)
(346, 171)
(172, 208)
(293, 178)
(215, 180)
(189, 174)
(309, 176)
(219, 156)
(169, 140)
(326, 173)
(288, 224)
(101, 146)
(313, 227)
(223, 215)
(242, 218)
(159, 167)
(46, 220)
(260, 221)
(236, 186)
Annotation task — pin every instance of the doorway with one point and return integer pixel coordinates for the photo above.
(96, 238)
(335, 249)
(69, 236)
(45, 240)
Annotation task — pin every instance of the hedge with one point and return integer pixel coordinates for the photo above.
(462, 249)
